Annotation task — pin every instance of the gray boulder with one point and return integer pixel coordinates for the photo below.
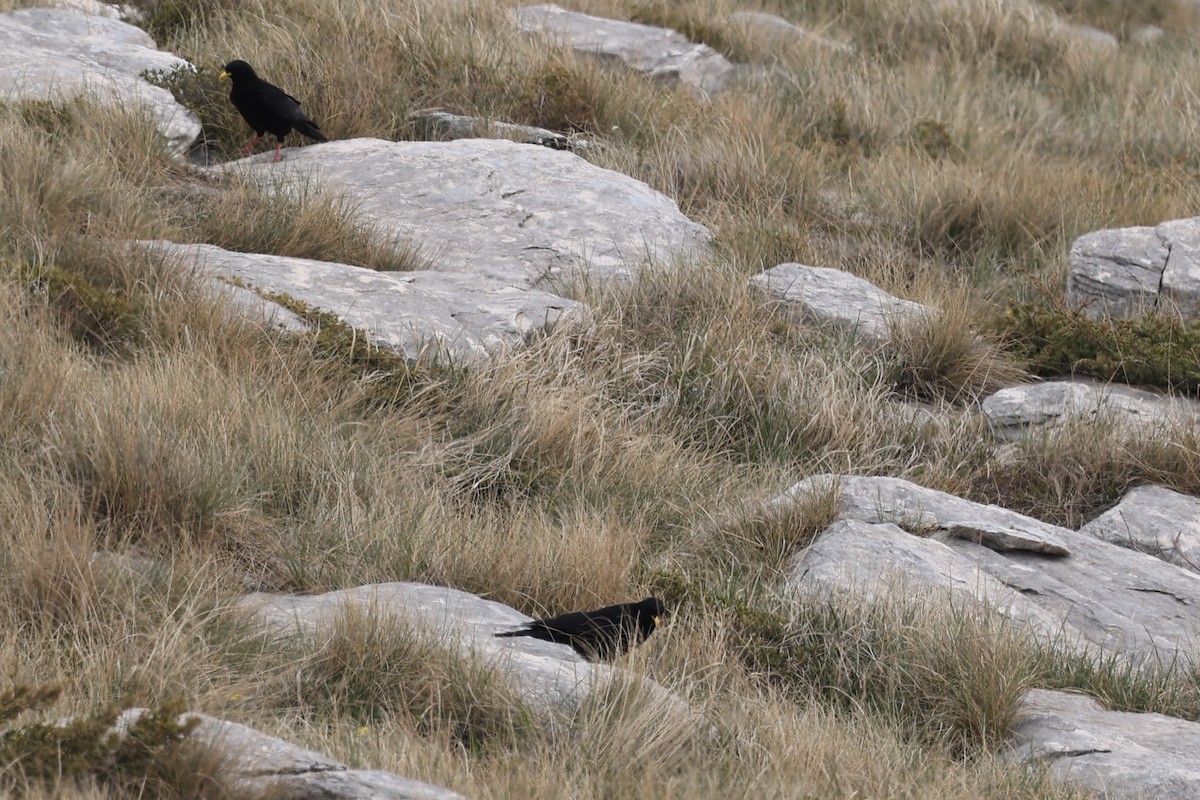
(1020, 410)
(57, 53)
(552, 678)
(421, 314)
(1115, 754)
(1154, 520)
(444, 127)
(1064, 585)
(1146, 35)
(260, 765)
(1126, 272)
(838, 300)
(504, 212)
(662, 54)
(1087, 37)
(775, 31)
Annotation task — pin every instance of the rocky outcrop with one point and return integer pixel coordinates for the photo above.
(421, 314)
(1126, 272)
(664, 55)
(1063, 585)
(1087, 37)
(1019, 410)
(259, 765)
(52, 54)
(839, 300)
(1115, 754)
(776, 32)
(1154, 520)
(552, 678)
(505, 213)
(443, 127)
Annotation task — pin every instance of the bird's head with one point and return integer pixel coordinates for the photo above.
(653, 609)
(236, 70)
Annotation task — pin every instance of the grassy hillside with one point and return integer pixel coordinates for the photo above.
(951, 159)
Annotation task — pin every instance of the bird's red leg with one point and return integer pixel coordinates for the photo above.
(250, 144)
(278, 147)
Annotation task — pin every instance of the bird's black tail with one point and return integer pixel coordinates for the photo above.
(310, 129)
(521, 632)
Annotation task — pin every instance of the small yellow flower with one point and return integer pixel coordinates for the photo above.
(364, 730)
(235, 697)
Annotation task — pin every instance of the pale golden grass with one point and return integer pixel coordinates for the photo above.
(1073, 471)
(733, 736)
(595, 464)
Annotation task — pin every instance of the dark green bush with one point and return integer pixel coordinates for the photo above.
(1153, 350)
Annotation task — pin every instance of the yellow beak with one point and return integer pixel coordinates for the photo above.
(224, 75)
(656, 621)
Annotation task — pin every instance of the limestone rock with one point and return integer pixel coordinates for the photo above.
(1084, 592)
(1115, 754)
(420, 314)
(551, 677)
(1146, 34)
(1154, 520)
(441, 126)
(777, 31)
(1086, 36)
(57, 53)
(1126, 272)
(873, 560)
(837, 299)
(503, 212)
(263, 765)
(662, 54)
(1017, 410)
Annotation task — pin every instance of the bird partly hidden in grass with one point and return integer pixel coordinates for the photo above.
(266, 107)
(599, 635)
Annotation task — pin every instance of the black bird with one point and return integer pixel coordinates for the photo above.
(266, 107)
(602, 634)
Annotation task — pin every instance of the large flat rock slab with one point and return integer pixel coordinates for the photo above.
(422, 314)
(837, 299)
(265, 766)
(1082, 592)
(52, 54)
(662, 54)
(1020, 410)
(1127, 272)
(552, 678)
(1154, 520)
(874, 561)
(1115, 754)
(517, 214)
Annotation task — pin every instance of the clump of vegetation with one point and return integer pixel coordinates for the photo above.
(100, 316)
(952, 675)
(87, 747)
(373, 668)
(200, 89)
(387, 377)
(1154, 349)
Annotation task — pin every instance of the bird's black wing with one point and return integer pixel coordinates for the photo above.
(278, 102)
(287, 108)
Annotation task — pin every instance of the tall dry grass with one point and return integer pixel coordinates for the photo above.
(959, 148)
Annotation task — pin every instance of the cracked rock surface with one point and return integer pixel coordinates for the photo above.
(1126, 272)
(1113, 753)
(1063, 585)
(518, 214)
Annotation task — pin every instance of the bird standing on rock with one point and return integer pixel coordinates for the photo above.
(266, 107)
(599, 635)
